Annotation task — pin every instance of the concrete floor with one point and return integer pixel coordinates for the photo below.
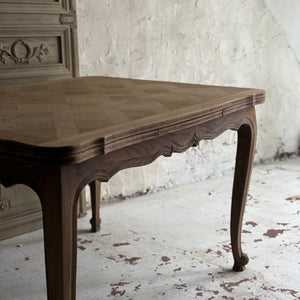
(175, 245)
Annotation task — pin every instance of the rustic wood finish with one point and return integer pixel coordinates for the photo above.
(63, 135)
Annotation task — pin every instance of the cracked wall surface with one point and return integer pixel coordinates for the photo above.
(230, 42)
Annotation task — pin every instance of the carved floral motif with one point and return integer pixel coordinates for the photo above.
(27, 55)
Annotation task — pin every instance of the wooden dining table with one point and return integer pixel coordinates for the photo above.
(58, 136)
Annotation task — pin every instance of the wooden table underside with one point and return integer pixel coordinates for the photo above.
(58, 183)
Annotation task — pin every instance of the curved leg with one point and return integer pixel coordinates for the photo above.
(59, 205)
(243, 169)
(95, 221)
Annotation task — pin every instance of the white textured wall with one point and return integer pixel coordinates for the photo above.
(230, 42)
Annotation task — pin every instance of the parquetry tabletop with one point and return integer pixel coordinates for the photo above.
(98, 114)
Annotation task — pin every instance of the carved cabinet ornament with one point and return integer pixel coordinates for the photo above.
(4, 204)
(22, 53)
(68, 19)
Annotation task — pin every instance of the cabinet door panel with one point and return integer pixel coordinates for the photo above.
(31, 54)
(38, 40)
(38, 6)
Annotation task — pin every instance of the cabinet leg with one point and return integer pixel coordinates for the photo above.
(95, 221)
(243, 169)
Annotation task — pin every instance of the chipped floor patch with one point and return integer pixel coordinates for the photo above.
(273, 233)
(175, 244)
(120, 244)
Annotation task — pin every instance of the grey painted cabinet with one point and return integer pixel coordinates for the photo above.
(38, 42)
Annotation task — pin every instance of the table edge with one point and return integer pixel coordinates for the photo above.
(78, 152)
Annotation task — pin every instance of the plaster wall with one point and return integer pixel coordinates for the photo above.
(230, 42)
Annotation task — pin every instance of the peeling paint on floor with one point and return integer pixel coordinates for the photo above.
(175, 244)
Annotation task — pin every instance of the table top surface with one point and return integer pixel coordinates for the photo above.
(103, 112)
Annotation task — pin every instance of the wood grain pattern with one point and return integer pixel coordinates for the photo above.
(169, 117)
(83, 117)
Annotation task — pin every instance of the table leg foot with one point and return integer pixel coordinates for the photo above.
(243, 169)
(239, 265)
(95, 221)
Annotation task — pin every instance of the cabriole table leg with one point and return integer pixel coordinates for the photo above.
(59, 195)
(243, 169)
(95, 221)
